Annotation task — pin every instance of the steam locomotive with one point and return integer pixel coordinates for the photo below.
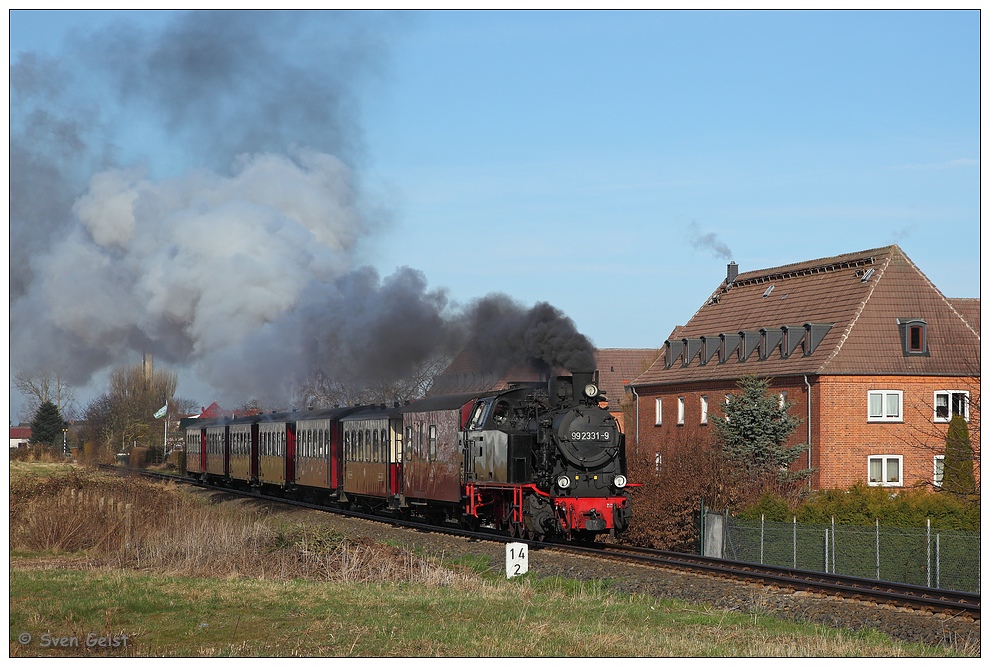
(536, 460)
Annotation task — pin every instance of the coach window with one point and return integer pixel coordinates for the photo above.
(375, 447)
(409, 443)
(433, 441)
(384, 456)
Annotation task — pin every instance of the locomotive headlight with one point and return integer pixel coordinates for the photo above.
(590, 390)
(619, 481)
(564, 482)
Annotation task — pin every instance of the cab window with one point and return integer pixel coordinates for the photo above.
(479, 414)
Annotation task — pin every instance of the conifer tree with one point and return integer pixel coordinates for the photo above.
(47, 425)
(753, 433)
(957, 474)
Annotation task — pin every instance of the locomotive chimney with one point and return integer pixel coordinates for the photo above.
(731, 271)
(581, 380)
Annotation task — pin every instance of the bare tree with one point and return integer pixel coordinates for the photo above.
(125, 414)
(323, 390)
(41, 385)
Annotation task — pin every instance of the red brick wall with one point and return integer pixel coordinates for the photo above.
(849, 438)
(842, 438)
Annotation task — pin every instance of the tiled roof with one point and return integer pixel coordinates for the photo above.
(617, 367)
(20, 432)
(846, 310)
(969, 309)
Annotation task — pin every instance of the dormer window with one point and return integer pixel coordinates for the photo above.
(914, 336)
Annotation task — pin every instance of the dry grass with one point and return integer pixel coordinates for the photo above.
(108, 521)
(92, 552)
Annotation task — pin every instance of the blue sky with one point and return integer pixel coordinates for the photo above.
(581, 158)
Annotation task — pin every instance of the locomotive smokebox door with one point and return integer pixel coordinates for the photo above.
(587, 438)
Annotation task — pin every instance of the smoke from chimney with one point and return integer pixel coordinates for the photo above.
(708, 241)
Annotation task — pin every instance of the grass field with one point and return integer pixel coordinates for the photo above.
(145, 584)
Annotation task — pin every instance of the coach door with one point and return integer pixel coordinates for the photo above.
(290, 453)
(395, 458)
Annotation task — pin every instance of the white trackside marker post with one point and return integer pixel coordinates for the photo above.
(516, 559)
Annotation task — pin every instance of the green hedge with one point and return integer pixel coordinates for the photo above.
(862, 505)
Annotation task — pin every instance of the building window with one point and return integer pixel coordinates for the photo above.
(704, 409)
(884, 406)
(939, 469)
(782, 404)
(658, 461)
(680, 409)
(885, 470)
(951, 403)
(914, 336)
(659, 409)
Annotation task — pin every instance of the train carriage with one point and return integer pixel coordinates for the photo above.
(432, 464)
(217, 454)
(277, 450)
(372, 449)
(243, 450)
(195, 449)
(318, 449)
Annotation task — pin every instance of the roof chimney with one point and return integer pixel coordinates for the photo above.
(731, 271)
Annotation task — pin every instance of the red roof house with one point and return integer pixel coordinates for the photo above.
(874, 359)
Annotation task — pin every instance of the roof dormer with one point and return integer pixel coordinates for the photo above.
(914, 336)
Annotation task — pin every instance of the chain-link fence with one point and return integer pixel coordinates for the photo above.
(921, 556)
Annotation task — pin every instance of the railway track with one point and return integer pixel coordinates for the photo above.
(933, 600)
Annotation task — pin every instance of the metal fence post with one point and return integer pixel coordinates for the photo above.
(833, 545)
(826, 550)
(878, 548)
(762, 517)
(938, 561)
(795, 541)
(928, 551)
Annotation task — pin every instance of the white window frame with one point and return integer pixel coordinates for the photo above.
(659, 412)
(948, 393)
(938, 470)
(884, 395)
(680, 410)
(658, 461)
(704, 409)
(782, 403)
(885, 459)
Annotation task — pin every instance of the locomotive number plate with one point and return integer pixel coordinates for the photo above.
(590, 435)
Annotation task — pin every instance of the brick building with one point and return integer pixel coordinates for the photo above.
(870, 355)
